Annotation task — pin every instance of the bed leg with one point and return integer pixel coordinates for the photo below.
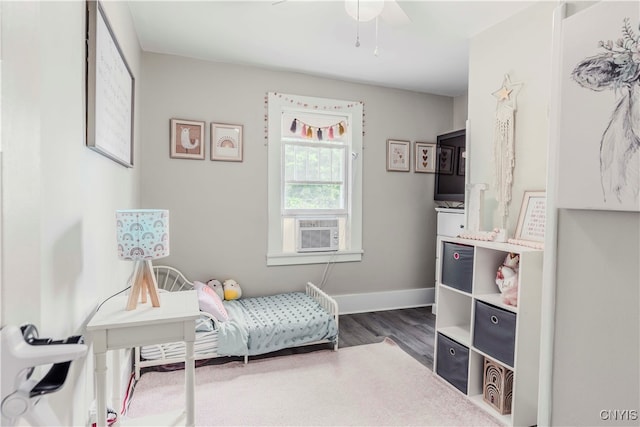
(246, 359)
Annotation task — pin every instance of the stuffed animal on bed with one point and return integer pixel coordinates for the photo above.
(216, 286)
(507, 279)
(231, 290)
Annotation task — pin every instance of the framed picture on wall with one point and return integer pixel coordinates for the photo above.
(110, 87)
(187, 139)
(398, 155)
(445, 160)
(598, 48)
(226, 142)
(425, 157)
(532, 218)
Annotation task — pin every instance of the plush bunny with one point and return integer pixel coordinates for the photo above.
(507, 279)
(217, 286)
(231, 290)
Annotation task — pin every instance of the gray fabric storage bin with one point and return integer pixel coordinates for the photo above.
(457, 266)
(494, 332)
(452, 362)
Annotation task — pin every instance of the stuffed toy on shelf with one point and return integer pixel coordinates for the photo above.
(507, 279)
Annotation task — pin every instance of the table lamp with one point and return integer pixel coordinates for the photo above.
(143, 235)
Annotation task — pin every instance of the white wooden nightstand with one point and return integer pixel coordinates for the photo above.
(112, 327)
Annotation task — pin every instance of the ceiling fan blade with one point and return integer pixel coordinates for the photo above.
(393, 13)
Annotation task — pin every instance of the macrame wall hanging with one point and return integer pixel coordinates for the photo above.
(504, 145)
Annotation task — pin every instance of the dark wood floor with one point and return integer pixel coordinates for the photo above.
(411, 328)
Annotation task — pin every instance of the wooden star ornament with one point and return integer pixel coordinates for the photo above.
(508, 92)
(503, 93)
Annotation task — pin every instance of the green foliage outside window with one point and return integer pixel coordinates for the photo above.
(314, 177)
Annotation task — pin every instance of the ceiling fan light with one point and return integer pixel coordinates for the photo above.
(369, 9)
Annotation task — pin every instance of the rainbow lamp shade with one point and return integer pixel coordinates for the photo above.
(143, 235)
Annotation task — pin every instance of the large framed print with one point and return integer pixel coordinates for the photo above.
(109, 91)
(599, 97)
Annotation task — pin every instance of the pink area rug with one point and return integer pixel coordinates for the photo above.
(369, 385)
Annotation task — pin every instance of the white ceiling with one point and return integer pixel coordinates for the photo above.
(427, 53)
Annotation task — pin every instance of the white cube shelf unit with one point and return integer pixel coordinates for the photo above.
(456, 320)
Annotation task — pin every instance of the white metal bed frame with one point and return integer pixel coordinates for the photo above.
(172, 280)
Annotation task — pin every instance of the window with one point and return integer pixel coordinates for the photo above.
(314, 175)
(314, 168)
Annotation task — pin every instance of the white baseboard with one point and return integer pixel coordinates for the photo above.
(380, 301)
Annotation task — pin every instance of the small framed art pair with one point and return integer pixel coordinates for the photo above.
(399, 156)
(187, 141)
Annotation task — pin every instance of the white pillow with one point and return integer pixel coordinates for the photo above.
(209, 301)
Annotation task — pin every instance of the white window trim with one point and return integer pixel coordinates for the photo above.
(276, 103)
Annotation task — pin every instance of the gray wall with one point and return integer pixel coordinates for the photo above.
(597, 326)
(218, 209)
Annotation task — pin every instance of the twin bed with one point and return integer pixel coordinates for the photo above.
(256, 325)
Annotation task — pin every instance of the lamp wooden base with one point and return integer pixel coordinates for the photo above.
(143, 282)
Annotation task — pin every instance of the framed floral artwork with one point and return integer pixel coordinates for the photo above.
(187, 139)
(226, 142)
(398, 155)
(425, 157)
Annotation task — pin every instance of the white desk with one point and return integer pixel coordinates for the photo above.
(112, 327)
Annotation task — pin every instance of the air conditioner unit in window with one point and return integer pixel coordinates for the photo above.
(317, 235)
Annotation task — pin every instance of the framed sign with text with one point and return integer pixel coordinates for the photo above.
(532, 217)
(109, 91)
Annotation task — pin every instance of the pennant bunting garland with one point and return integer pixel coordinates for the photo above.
(306, 131)
(309, 131)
